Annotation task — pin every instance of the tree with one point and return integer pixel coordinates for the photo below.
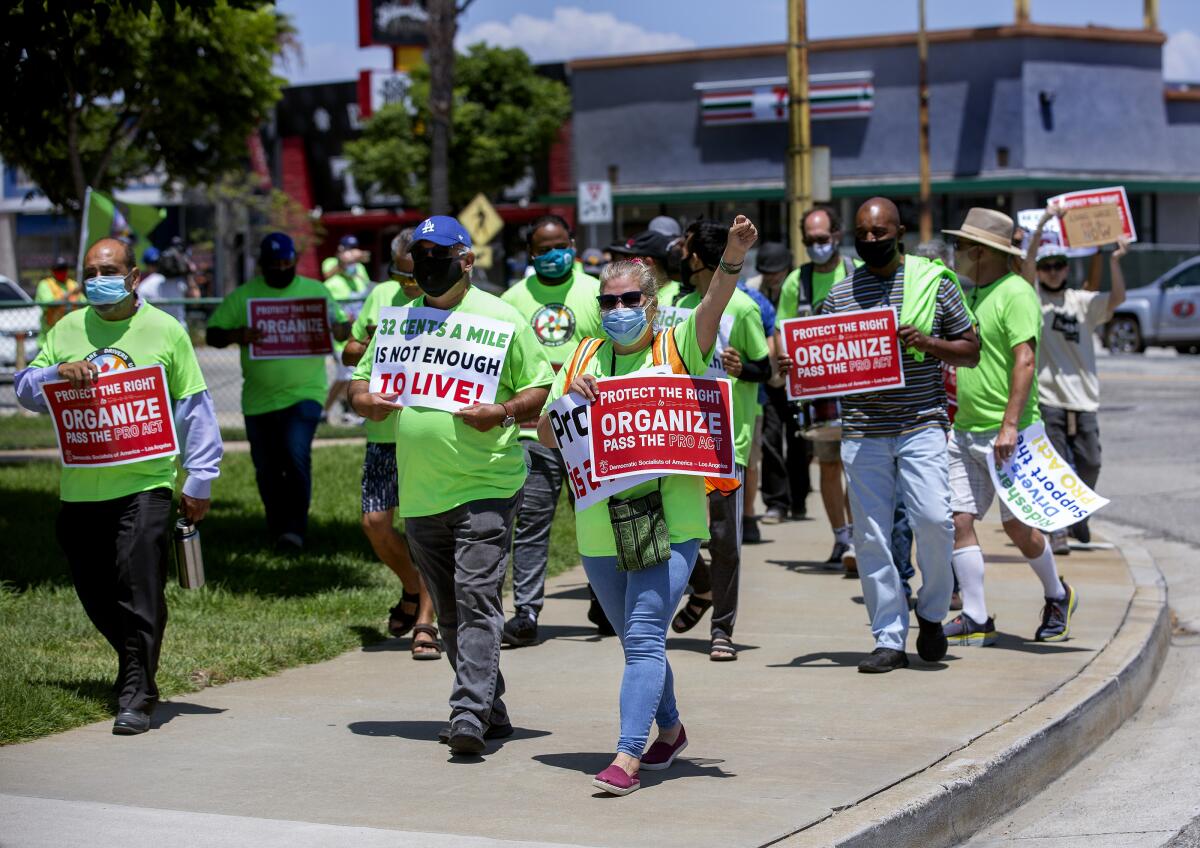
(505, 118)
(106, 92)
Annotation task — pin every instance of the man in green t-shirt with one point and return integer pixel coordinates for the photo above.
(459, 477)
(115, 522)
(54, 291)
(281, 397)
(558, 301)
(996, 400)
(347, 281)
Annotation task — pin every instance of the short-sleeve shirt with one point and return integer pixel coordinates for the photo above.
(441, 462)
(684, 501)
(388, 293)
(1008, 313)
(921, 403)
(560, 316)
(823, 282)
(271, 384)
(148, 337)
(1067, 376)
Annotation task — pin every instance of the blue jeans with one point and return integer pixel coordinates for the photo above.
(639, 604)
(912, 469)
(281, 449)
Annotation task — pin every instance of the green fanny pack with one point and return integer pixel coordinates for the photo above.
(640, 530)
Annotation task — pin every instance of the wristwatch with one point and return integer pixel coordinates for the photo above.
(509, 419)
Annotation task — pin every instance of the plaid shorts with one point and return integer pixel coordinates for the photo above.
(379, 484)
(971, 488)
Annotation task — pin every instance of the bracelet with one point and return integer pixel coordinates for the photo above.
(731, 269)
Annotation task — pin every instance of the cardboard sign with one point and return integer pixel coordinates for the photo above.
(1039, 487)
(665, 424)
(438, 359)
(671, 316)
(1091, 226)
(292, 327)
(1112, 196)
(570, 417)
(1027, 219)
(125, 417)
(844, 354)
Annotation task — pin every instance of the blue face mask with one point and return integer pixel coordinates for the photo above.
(624, 326)
(106, 290)
(554, 263)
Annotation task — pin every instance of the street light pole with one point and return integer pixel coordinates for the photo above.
(799, 128)
(926, 216)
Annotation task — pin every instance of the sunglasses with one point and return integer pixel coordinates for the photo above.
(628, 299)
(1057, 265)
(398, 275)
(419, 253)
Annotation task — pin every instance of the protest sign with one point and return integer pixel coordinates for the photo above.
(1111, 196)
(1091, 226)
(1039, 487)
(843, 354)
(291, 327)
(438, 359)
(125, 417)
(673, 424)
(1027, 219)
(670, 316)
(569, 419)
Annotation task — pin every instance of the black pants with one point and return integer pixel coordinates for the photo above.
(785, 455)
(117, 551)
(281, 449)
(1076, 437)
(722, 575)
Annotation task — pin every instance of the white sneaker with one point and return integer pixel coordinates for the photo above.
(850, 562)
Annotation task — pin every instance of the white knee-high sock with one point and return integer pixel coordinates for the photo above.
(968, 567)
(1046, 569)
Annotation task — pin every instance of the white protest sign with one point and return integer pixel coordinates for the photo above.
(1112, 195)
(1027, 220)
(438, 359)
(595, 202)
(1039, 487)
(670, 316)
(570, 417)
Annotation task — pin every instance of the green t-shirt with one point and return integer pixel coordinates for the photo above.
(1008, 312)
(747, 338)
(789, 294)
(667, 292)
(388, 293)
(271, 384)
(684, 501)
(349, 288)
(148, 337)
(442, 463)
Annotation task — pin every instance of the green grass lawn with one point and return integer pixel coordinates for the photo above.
(24, 432)
(259, 613)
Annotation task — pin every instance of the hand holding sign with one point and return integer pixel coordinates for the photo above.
(375, 406)
(482, 416)
(732, 362)
(80, 374)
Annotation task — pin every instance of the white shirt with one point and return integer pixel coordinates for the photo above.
(1067, 360)
(155, 287)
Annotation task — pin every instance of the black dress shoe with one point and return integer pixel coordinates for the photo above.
(931, 640)
(131, 723)
(520, 631)
(494, 731)
(465, 738)
(597, 617)
(883, 660)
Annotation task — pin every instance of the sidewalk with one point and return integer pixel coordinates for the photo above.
(344, 752)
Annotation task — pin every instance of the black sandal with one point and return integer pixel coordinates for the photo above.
(399, 621)
(722, 650)
(431, 650)
(690, 615)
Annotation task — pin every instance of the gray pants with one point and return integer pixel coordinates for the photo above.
(1076, 437)
(531, 539)
(725, 550)
(461, 554)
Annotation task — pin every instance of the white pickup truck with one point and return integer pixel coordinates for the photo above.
(1165, 313)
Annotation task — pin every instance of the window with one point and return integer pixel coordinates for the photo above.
(1188, 278)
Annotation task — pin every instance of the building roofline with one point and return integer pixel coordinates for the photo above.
(1190, 94)
(903, 39)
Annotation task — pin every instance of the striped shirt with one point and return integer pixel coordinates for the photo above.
(922, 401)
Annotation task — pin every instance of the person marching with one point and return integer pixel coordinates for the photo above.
(115, 521)
(414, 612)
(996, 401)
(346, 279)
(281, 398)
(558, 301)
(54, 291)
(640, 602)
(744, 356)
(459, 478)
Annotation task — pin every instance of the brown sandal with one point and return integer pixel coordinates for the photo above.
(426, 649)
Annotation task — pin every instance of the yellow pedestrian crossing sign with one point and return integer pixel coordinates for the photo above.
(481, 220)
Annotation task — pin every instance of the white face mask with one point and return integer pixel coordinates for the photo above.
(821, 253)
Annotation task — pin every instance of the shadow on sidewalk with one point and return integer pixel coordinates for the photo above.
(574, 592)
(427, 731)
(808, 566)
(699, 645)
(591, 762)
(850, 659)
(1011, 642)
(169, 710)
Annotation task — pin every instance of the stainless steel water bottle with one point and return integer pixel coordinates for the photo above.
(187, 555)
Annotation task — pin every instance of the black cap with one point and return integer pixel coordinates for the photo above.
(647, 243)
(772, 258)
(61, 262)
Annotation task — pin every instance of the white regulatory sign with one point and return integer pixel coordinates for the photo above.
(595, 203)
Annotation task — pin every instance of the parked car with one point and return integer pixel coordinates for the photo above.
(1165, 313)
(18, 315)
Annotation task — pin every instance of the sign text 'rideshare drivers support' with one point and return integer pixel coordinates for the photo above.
(672, 424)
(844, 354)
(1039, 487)
(291, 327)
(570, 418)
(438, 359)
(125, 417)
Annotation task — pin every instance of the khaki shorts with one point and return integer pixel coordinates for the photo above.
(971, 488)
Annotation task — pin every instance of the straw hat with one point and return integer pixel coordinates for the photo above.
(989, 228)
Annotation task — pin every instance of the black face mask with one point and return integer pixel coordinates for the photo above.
(437, 276)
(686, 271)
(279, 278)
(877, 254)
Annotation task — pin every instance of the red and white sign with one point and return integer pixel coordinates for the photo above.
(1114, 195)
(668, 424)
(292, 327)
(125, 417)
(844, 354)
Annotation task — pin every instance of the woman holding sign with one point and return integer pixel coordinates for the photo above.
(640, 584)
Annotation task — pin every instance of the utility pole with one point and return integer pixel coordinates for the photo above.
(926, 209)
(1150, 14)
(799, 129)
(1022, 12)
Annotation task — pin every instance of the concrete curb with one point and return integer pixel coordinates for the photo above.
(949, 801)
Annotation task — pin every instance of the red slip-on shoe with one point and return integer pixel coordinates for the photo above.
(615, 781)
(661, 755)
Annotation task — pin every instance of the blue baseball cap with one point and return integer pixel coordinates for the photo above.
(443, 230)
(151, 254)
(277, 247)
(348, 242)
